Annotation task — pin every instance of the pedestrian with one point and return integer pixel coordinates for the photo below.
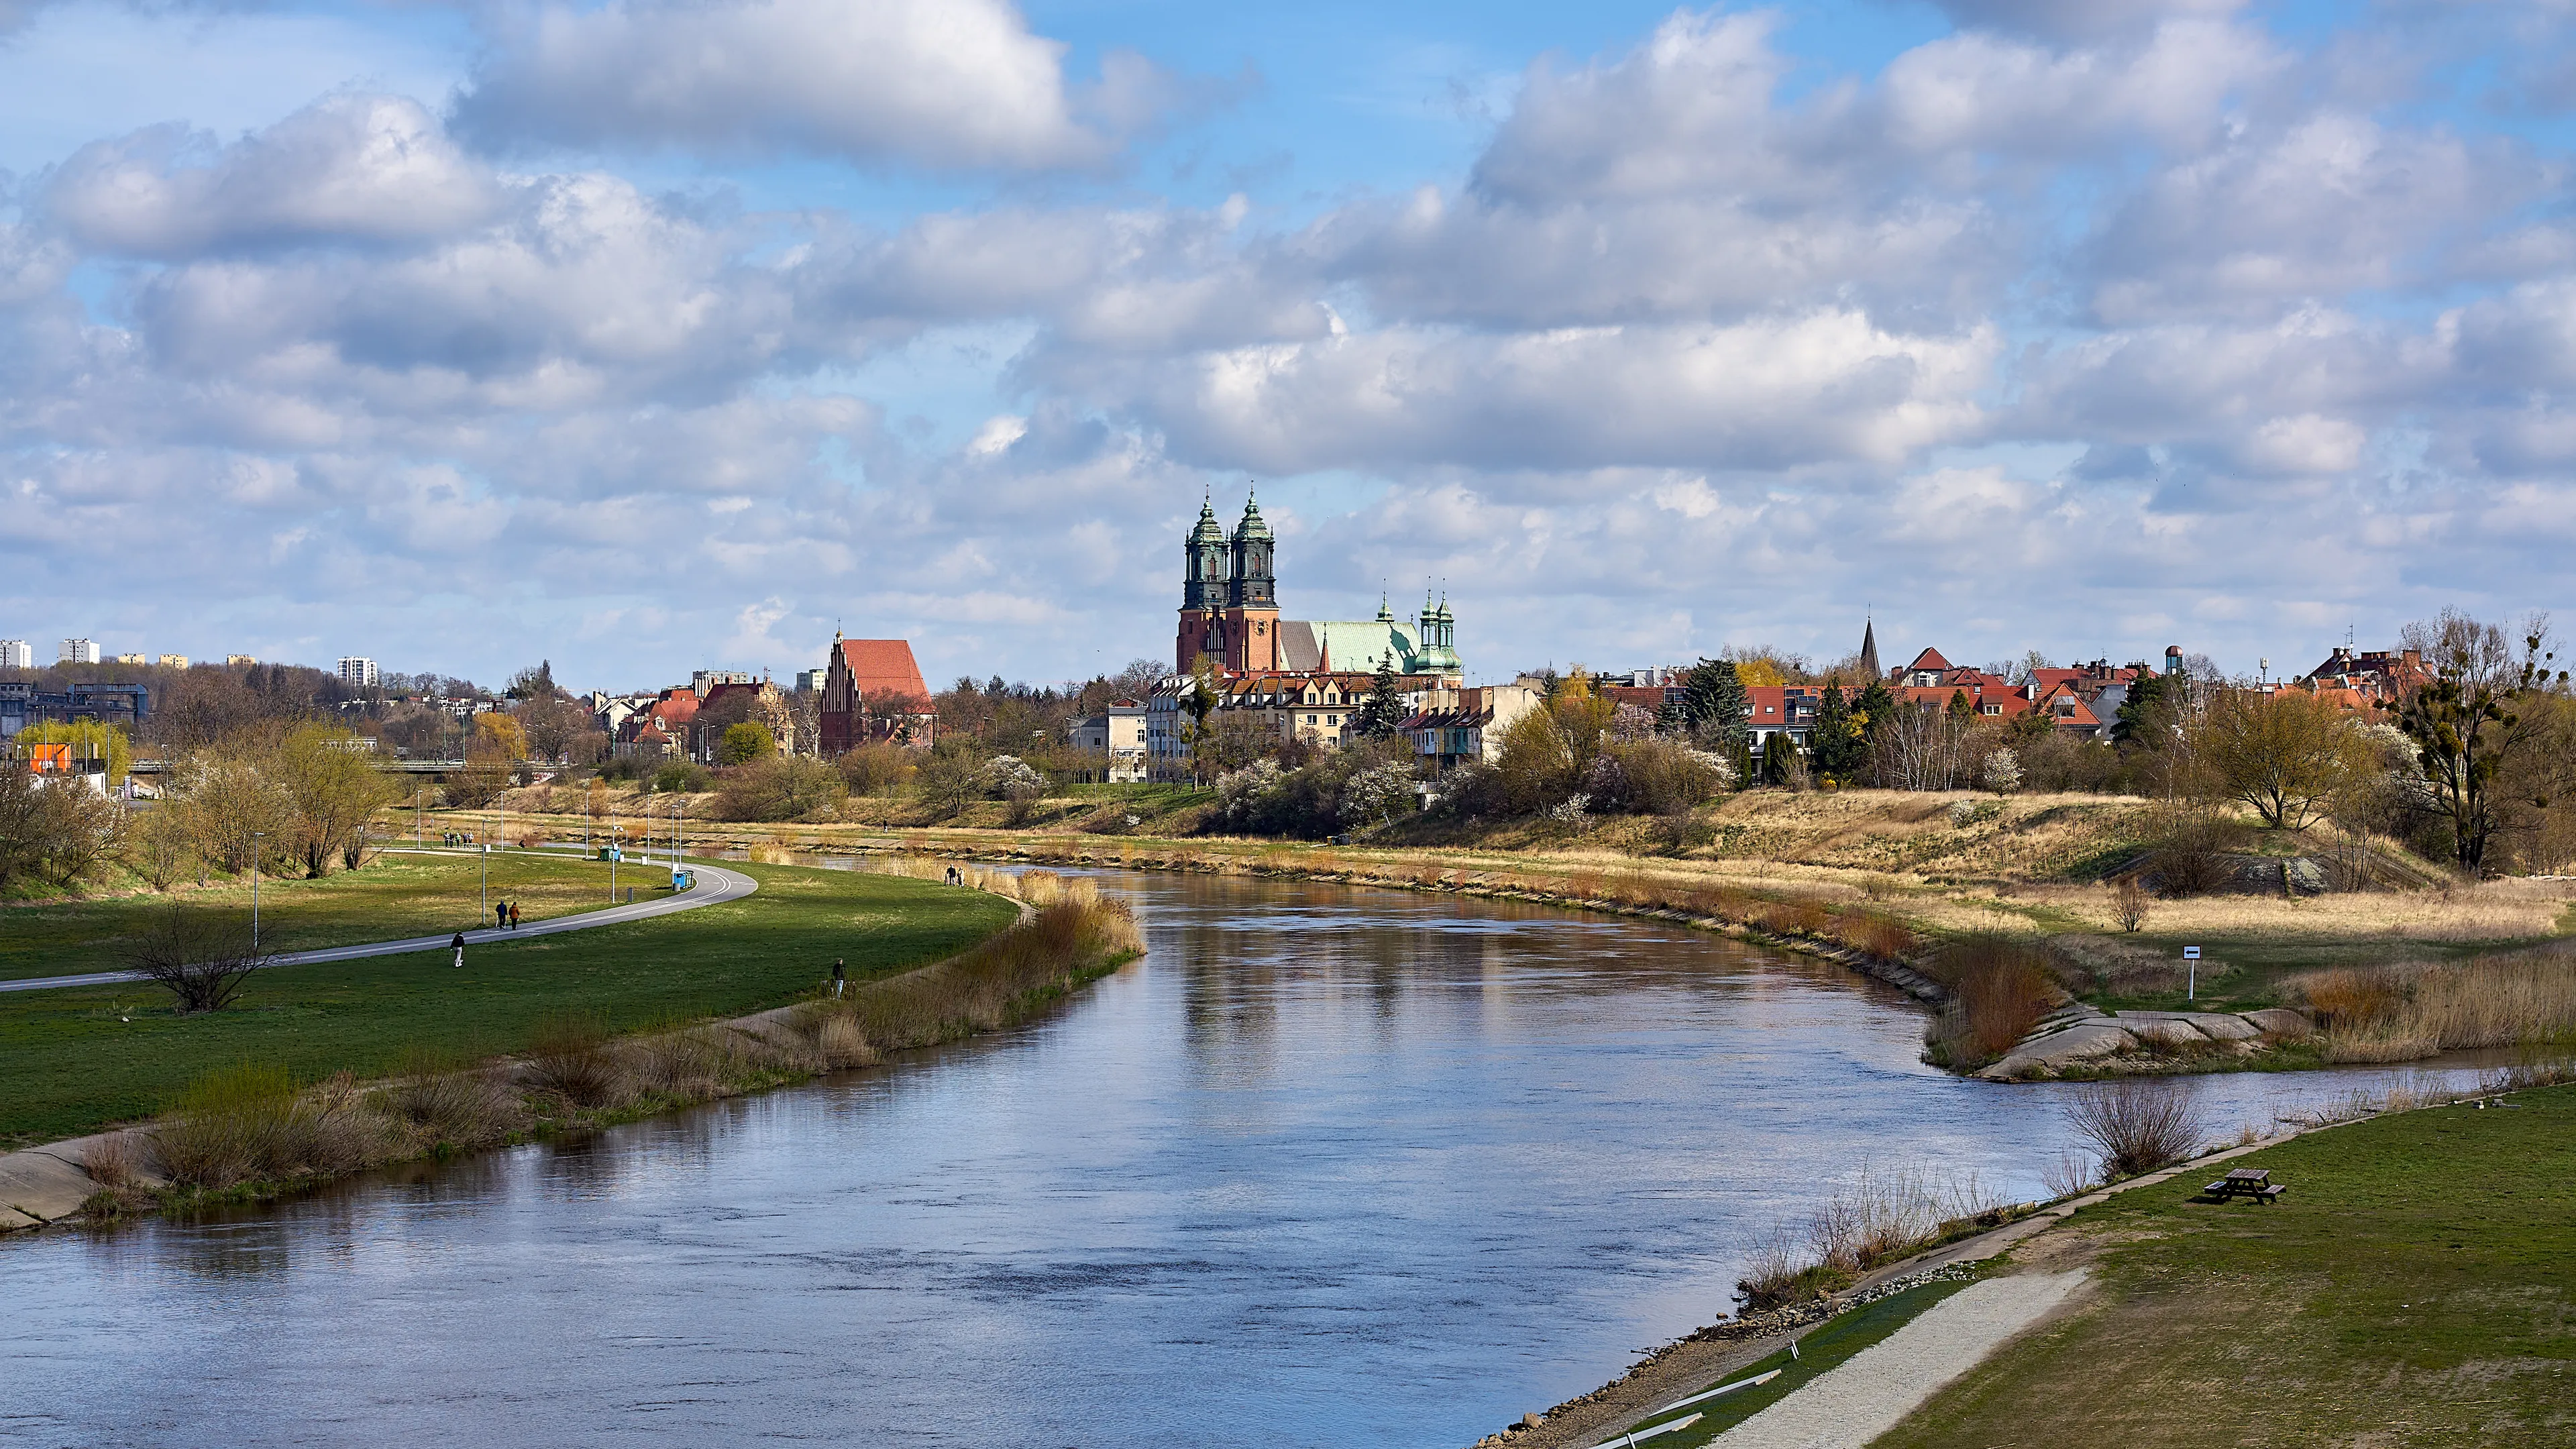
(458, 946)
(839, 976)
(514, 915)
(500, 915)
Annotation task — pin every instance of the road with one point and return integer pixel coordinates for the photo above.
(715, 886)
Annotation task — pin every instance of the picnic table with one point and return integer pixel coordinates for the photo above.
(2253, 1182)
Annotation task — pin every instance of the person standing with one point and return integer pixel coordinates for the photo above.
(458, 946)
(514, 915)
(839, 977)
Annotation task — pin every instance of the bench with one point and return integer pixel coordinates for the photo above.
(2253, 1182)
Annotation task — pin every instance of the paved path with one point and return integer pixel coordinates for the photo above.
(715, 886)
(1864, 1397)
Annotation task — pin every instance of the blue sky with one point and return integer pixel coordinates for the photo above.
(648, 337)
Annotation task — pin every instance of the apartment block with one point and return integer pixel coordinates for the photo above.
(77, 651)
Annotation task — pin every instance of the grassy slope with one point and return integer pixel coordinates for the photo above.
(2414, 1287)
(392, 897)
(69, 1064)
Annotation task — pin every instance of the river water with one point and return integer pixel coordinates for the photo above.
(1330, 1167)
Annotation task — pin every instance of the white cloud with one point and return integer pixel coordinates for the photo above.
(947, 83)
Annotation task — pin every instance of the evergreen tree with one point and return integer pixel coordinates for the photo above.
(1714, 710)
(2137, 712)
(1383, 710)
(1839, 750)
(1958, 707)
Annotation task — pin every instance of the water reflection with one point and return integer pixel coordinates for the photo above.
(1332, 1166)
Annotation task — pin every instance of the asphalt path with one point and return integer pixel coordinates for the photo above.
(715, 885)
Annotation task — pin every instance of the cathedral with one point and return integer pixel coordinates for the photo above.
(1230, 614)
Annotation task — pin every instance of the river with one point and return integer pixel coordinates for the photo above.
(1331, 1167)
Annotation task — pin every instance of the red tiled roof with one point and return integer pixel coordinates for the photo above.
(1928, 659)
(884, 668)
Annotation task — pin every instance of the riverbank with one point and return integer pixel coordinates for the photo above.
(2397, 1173)
(252, 1133)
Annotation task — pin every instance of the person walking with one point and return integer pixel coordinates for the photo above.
(514, 915)
(458, 946)
(839, 977)
(500, 915)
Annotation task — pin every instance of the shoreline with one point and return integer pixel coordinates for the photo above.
(52, 1183)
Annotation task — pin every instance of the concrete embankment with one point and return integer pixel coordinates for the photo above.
(2081, 1036)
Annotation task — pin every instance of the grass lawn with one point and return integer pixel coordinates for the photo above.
(1825, 1348)
(392, 897)
(71, 1062)
(2415, 1286)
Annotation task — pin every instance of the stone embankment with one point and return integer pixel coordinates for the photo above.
(2080, 1035)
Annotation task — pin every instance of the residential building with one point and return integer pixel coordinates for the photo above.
(2377, 675)
(77, 651)
(1230, 615)
(17, 654)
(872, 690)
(1455, 726)
(357, 671)
(1118, 734)
(235, 661)
(130, 659)
(1315, 709)
(706, 681)
(657, 730)
(810, 681)
(173, 661)
(730, 703)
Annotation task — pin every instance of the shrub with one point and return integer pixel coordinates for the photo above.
(2191, 851)
(248, 1124)
(572, 1057)
(2135, 1126)
(781, 787)
(1999, 990)
(199, 956)
(2129, 903)
(879, 767)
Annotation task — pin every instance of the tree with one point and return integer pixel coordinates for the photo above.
(2142, 709)
(199, 956)
(745, 742)
(537, 683)
(233, 808)
(2289, 755)
(90, 739)
(498, 736)
(1835, 742)
(951, 779)
(781, 787)
(2467, 722)
(1534, 763)
(1383, 710)
(332, 789)
(1873, 709)
(1714, 709)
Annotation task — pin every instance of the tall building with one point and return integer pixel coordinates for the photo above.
(357, 671)
(77, 651)
(131, 659)
(237, 660)
(705, 682)
(1230, 614)
(17, 654)
(174, 661)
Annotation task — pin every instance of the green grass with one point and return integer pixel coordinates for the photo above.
(2415, 1286)
(394, 896)
(2241, 972)
(1824, 1348)
(71, 1061)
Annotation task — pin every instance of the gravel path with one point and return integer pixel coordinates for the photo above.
(1848, 1406)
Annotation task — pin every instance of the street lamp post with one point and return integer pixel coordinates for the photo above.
(615, 850)
(256, 837)
(486, 854)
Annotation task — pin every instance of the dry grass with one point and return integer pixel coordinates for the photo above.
(2406, 1012)
(1881, 1216)
(110, 1161)
(250, 1123)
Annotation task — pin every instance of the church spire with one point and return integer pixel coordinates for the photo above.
(1869, 649)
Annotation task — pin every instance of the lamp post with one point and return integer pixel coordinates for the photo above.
(615, 850)
(256, 837)
(486, 855)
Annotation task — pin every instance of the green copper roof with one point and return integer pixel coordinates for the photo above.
(1209, 530)
(1251, 526)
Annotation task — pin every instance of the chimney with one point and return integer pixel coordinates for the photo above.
(2414, 659)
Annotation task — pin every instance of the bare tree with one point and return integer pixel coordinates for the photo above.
(2289, 755)
(2472, 720)
(199, 956)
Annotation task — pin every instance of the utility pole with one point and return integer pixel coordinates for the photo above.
(487, 877)
(255, 838)
(614, 851)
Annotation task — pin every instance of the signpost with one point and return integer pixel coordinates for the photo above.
(2191, 982)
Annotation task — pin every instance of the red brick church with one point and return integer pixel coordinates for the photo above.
(872, 690)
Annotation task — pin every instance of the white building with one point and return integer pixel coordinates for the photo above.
(357, 671)
(17, 654)
(703, 682)
(77, 651)
(1119, 733)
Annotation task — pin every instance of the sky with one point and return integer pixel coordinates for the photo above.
(646, 337)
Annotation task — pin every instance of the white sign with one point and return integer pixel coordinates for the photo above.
(2191, 953)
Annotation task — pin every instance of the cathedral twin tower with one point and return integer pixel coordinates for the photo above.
(1230, 616)
(1229, 596)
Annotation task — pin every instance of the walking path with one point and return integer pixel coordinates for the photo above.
(715, 886)
(1848, 1405)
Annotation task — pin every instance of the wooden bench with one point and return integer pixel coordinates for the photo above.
(2253, 1182)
